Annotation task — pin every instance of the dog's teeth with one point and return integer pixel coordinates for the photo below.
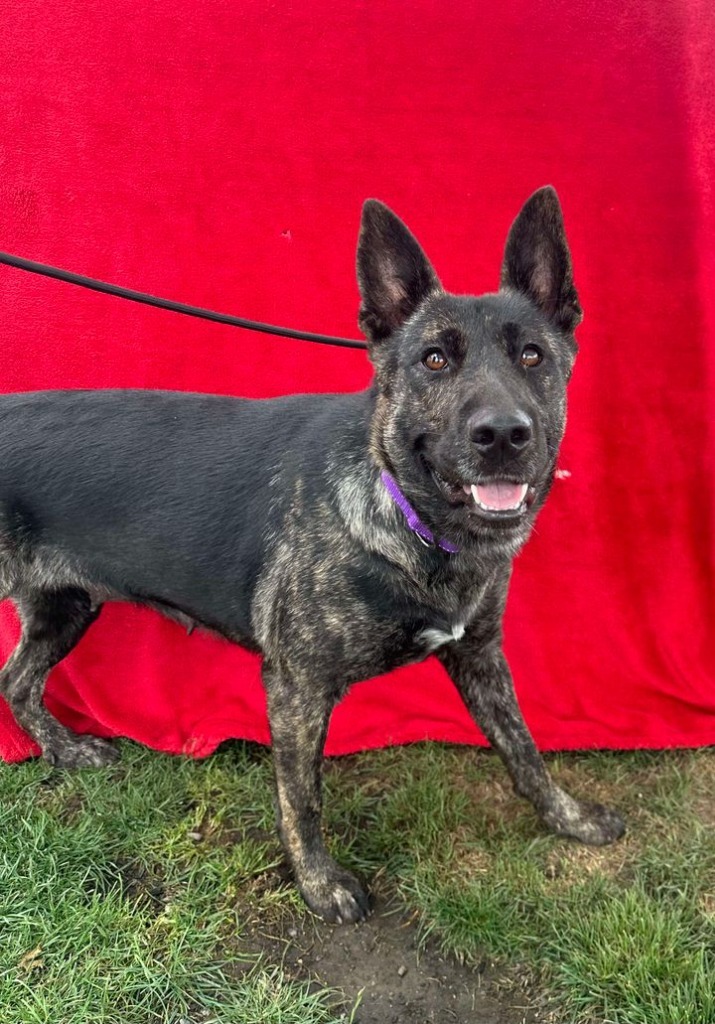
(477, 502)
(474, 490)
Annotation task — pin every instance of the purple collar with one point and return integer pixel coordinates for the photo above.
(413, 520)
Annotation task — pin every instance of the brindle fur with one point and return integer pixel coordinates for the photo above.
(268, 523)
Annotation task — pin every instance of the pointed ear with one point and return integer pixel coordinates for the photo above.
(537, 261)
(394, 274)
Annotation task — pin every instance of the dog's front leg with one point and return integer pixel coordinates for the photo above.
(482, 676)
(299, 722)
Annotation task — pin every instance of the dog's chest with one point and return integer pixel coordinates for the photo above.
(432, 638)
(450, 626)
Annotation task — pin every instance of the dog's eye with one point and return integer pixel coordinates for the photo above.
(435, 360)
(531, 356)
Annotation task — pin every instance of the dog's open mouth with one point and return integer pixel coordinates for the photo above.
(496, 499)
(498, 495)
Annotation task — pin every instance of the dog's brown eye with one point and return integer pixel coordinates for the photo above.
(531, 356)
(435, 360)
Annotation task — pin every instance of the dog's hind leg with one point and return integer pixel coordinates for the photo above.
(53, 621)
(299, 723)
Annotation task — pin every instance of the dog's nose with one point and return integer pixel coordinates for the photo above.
(506, 432)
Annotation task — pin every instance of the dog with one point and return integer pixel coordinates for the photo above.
(340, 536)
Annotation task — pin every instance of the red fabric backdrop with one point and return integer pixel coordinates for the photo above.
(219, 153)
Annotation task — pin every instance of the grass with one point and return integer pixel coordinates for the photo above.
(112, 912)
(127, 893)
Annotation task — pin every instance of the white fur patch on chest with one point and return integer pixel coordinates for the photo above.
(435, 638)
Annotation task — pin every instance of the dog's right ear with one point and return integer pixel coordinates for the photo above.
(393, 272)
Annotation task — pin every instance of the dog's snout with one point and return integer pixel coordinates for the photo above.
(493, 431)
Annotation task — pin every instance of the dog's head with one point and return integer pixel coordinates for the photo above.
(471, 391)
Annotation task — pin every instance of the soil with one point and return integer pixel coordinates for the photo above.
(382, 966)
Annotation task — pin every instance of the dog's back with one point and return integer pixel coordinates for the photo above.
(165, 494)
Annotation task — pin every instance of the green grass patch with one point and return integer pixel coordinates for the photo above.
(622, 934)
(128, 895)
(121, 895)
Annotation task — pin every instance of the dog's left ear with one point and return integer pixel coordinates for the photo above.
(394, 274)
(537, 261)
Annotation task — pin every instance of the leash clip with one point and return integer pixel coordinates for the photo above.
(423, 540)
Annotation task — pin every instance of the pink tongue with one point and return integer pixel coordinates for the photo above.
(500, 495)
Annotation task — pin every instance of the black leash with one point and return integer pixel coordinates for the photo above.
(176, 307)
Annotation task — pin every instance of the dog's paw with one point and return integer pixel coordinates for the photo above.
(335, 895)
(589, 823)
(79, 752)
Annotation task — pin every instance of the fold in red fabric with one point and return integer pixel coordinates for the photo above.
(219, 153)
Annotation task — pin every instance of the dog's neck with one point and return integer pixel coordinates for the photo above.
(420, 529)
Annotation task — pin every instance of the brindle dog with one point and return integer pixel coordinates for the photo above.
(339, 535)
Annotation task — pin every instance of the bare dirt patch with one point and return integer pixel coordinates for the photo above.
(381, 966)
